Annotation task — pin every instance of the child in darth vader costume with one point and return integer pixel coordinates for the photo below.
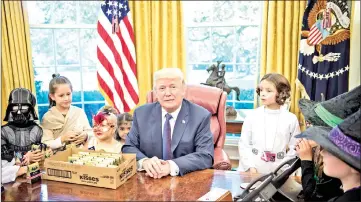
(19, 135)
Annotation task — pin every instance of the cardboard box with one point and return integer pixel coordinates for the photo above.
(217, 194)
(58, 168)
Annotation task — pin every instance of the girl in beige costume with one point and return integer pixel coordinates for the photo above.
(63, 123)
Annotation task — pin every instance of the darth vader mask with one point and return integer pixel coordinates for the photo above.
(20, 113)
(21, 105)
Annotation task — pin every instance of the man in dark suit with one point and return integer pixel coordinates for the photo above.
(171, 136)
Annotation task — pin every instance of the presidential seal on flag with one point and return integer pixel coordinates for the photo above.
(324, 49)
(329, 22)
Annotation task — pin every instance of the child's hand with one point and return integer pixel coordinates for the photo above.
(81, 138)
(22, 170)
(32, 156)
(48, 153)
(70, 136)
(253, 170)
(304, 150)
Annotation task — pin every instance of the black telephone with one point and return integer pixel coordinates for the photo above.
(270, 183)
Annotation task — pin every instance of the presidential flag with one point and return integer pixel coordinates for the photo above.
(116, 67)
(323, 66)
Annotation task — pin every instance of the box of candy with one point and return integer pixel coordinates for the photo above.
(88, 167)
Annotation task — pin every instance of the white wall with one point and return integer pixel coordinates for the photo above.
(354, 75)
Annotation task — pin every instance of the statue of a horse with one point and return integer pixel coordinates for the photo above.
(218, 81)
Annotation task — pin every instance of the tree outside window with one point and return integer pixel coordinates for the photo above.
(63, 38)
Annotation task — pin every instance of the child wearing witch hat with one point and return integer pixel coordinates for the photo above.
(341, 153)
(318, 186)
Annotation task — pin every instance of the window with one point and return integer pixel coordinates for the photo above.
(63, 37)
(227, 31)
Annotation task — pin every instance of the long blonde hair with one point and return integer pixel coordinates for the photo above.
(318, 161)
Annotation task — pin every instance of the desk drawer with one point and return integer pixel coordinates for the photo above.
(233, 127)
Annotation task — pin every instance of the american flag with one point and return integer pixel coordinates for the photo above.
(326, 78)
(116, 67)
(315, 35)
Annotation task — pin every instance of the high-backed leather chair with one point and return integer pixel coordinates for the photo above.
(214, 100)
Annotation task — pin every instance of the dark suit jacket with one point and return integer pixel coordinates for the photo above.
(192, 140)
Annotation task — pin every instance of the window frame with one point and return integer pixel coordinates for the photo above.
(78, 67)
(233, 63)
(231, 139)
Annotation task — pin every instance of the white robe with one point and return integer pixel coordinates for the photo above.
(267, 130)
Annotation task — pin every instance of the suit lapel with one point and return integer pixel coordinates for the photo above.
(156, 125)
(180, 125)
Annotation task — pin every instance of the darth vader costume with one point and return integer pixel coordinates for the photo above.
(21, 131)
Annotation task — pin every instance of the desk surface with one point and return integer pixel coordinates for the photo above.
(140, 187)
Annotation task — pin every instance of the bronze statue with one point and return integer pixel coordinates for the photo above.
(216, 79)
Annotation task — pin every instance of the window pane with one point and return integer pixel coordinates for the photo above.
(239, 105)
(229, 68)
(67, 46)
(198, 45)
(223, 43)
(248, 12)
(233, 30)
(198, 76)
(42, 111)
(245, 85)
(234, 135)
(88, 43)
(42, 79)
(197, 11)
(64, 12)
(247, 94)
(247, 43)
(223, 11)
(200, 67)
(42, 47)
(89, 11)
(229, 103)
(40, 11)
(246, 71)
(91, 110)
(73, 74)
(78, 105)
(90, 85)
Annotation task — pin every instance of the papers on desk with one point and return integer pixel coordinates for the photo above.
(216, 194)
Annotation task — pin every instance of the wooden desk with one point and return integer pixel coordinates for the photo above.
(140, 187)
(234, 123)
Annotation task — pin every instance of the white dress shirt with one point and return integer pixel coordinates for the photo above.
(174, 169)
